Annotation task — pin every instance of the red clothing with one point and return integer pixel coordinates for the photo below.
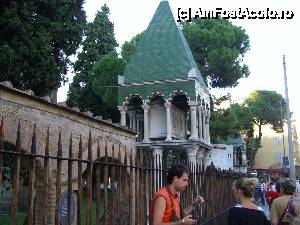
(272, 195)
(168, 211)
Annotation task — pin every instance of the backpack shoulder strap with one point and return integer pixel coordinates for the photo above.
(284, 212)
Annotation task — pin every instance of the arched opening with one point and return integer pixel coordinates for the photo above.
(135, 115)
(180, 115)
(158, 118)
(113, 190)
(7, 185)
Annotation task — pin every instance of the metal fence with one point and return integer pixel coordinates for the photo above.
(109, 190)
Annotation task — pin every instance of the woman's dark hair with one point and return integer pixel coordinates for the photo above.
(177, 170)
(288, 186)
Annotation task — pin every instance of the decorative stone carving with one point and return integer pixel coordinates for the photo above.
(7, 84)
(75, 109)
(98, 117)
(29, 92)
(63, 104)
(88, 113)
(47, 98)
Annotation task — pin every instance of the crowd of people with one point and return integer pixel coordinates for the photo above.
(282, 196)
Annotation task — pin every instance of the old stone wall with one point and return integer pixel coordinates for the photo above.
(19, 107)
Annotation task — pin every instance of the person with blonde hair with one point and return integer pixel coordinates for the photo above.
(245, 212)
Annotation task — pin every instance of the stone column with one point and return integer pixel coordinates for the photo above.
(130, 113)
(204, 123)
(192, 157)
(194, 132)
(169, 127)
(122, 110)
(192, 153)
(207, 126)
(157, 159)
(200, 122)
(146, 122)
(200, 158)
(205, 158)
(138, 125)
(133, 121)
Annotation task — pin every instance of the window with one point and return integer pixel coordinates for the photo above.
(278, 156)
(277, 140)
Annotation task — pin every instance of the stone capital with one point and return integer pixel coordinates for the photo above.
(157, 150)
(200, 154)
(168, 105)
(206, 153)
(145, 107)
(121, 108)
(131, 112)
(152, 147)
(207, 120)
(191, 150)
(193, 103)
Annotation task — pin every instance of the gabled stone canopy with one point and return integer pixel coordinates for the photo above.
(163, 62)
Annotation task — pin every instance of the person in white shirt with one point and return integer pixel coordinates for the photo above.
(297, 193)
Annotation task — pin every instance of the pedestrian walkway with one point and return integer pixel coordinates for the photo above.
(266, 210)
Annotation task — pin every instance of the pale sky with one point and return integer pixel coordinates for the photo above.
(269, 40)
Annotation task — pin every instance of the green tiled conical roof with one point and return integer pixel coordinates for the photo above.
(163, 53)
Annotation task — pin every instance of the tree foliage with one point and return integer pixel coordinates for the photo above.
(218, 47)
(246, 126)
(99, 41)
(260, 108)
(266, 107)
(105, 80)
(36, 40)
(128, 48)
(223, 124)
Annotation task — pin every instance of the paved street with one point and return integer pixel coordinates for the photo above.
(266, 209)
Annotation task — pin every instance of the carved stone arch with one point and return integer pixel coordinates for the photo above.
(180, 99)
(133, 98)
(177, 93)
(155, 95)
